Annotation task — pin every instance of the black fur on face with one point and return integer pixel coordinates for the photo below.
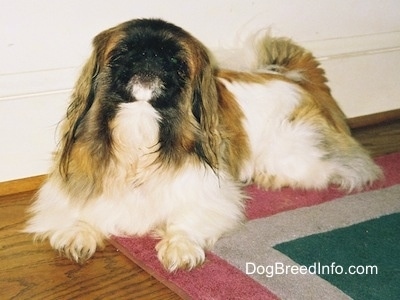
(147, 61)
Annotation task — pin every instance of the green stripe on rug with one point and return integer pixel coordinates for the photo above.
(368, 247)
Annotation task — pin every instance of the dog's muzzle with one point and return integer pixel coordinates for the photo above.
(145, 87)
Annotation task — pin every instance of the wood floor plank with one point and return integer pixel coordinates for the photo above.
(380, 140)
(21, 185)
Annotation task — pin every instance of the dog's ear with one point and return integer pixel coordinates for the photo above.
(83, 96)
(205, 109)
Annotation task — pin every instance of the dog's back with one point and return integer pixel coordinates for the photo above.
(298, 133)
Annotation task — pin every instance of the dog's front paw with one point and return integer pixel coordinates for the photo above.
(77, 243)
(179, 253)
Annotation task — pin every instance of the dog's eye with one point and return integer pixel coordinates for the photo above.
(174, 60)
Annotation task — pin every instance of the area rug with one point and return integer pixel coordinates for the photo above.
(298, 245)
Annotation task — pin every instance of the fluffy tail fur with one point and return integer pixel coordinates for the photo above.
(353, 166)
(282, 55)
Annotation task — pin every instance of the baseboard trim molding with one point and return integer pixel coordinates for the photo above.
(21, 185)
(374, 119)
(33, 183)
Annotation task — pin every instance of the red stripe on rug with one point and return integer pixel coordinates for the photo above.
(217, 279)
(267, 203)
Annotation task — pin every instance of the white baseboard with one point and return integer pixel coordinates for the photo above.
(346, 47)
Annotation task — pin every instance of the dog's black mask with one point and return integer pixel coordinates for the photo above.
(148, 66)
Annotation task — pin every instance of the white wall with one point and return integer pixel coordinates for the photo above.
(44, 43)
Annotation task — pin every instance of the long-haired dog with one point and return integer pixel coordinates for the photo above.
(158, 140)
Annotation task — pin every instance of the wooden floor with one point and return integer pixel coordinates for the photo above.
(29, 271)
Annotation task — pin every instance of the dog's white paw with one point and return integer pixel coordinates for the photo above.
(77, 243)
(179, 253)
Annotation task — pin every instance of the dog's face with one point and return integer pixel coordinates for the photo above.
(148, 64)
(144, 60)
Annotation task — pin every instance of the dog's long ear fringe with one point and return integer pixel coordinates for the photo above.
(82, 98)
(205, 110)
(82, 101)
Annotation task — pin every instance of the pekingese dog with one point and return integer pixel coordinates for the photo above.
(157, 139)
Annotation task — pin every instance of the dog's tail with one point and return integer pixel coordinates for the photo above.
(355, 168)
(282, 55)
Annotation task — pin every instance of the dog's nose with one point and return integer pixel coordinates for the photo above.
(149, 68)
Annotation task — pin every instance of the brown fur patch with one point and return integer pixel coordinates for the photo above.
(234, 139)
